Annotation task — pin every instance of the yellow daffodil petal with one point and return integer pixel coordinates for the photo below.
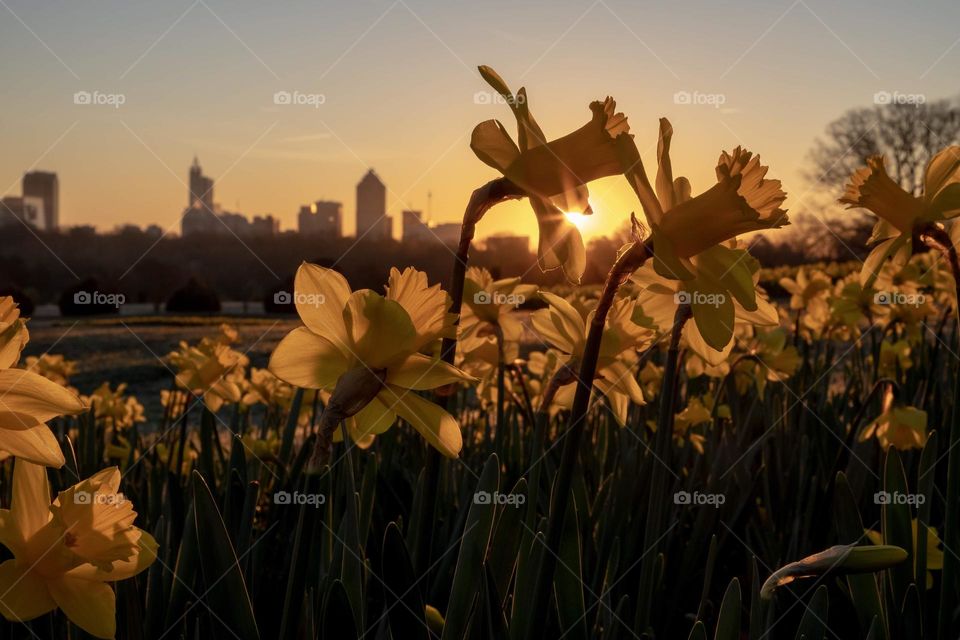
(560, 245)
(428, 306)
(320, 295)
(23, 593)
(699, 345)
(421, 373)
(30, 502)
(307, 360)
(664, 181)
(942, 171)
(438, 427)
(36, 444)
(28, 399)
(493, 145)
(380, 329)
(621, 378)
(372, 420)
(90, 605)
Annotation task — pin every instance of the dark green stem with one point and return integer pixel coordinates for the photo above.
(935, 237)
(481, 201)
(659, 470)
(629, 261)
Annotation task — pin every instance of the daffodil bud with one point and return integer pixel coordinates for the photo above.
(840, 559)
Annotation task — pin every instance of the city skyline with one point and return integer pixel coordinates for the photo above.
(286, 110)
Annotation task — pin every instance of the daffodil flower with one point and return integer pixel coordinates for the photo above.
(897, 426)
(211, 369)
(773, 360)
(479, 356)
(564, 327)
(901, 214)
(67, 552)
(121, 411)
(694, 237)
(52, 366)
(365, 349)
(489, 305)
(553, 174)
(28, 400)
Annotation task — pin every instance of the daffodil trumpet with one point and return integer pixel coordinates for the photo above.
(630, 258)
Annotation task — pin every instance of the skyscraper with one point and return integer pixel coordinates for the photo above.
(415, 228)
(201, 188)
(45, 186)
(322, 218)
(372, 220)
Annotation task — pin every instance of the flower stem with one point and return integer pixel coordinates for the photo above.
(658, 480)
(629, 260)
(935, 237)
(481, 201)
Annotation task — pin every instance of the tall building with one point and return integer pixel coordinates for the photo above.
(372, 220)
(200, 195)
(321, 218)
(45, 186)
(26, 210)
(415, 228)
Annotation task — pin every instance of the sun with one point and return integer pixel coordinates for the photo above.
(578, 219)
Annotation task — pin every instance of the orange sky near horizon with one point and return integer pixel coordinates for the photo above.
(400, 90)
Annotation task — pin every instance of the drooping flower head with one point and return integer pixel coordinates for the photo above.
(65, 553)
(694, 237)
(900, 214)
(553, 174)
(365, 349)
(28, 400)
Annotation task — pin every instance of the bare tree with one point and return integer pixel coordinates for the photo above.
(907, 135)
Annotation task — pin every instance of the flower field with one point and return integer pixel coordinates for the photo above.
(698, 448)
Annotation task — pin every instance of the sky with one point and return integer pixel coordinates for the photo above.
(392, 85)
